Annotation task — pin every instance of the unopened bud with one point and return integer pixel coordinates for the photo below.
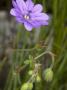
(27, 86)
(38, 78)
(48, 74)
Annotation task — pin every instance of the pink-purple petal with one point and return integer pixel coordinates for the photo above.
(39, 16)
(13, 12)
(14, 3)
(37, 8)
(44, 23)
(29, 5)
(22, 5)
(20, 20)
(36, 24)
(28, 26)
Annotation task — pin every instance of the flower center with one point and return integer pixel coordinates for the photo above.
(26, 17)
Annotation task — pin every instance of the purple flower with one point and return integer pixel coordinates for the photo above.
(29, 14)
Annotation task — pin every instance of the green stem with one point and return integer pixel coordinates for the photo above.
(15, 82)
(46, 52)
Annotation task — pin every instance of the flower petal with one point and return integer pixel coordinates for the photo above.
(36, 24)
(28, 26)
(20, 20)
(29, 4)
(39, 16)
(14, 3)
(37, 8)
(13, 12)
(21, 4)
(44, 23)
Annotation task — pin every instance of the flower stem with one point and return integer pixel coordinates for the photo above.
(46, 52)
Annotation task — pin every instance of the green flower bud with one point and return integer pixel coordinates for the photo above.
(27, 86)
(24, 86)
(38, 79)
(30, 85)
(48, 74)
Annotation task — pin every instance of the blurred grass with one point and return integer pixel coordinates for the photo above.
(54, 37)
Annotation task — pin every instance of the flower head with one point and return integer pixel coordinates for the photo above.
(29, 14)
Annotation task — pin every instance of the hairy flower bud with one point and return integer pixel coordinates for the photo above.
(48, 74)
(38, 78)
(27, 86)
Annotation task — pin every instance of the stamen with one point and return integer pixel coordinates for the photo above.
(26, 17)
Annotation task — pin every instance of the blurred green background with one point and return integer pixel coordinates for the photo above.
(17, 46)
